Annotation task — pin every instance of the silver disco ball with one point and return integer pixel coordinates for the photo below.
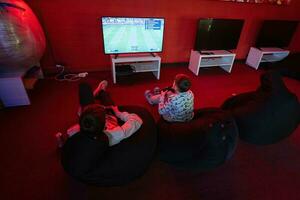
(22, 40)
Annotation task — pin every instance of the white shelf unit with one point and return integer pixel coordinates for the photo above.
(141, 63)
(13, 87)
(12, 90)
(221, 58)
(257, 56)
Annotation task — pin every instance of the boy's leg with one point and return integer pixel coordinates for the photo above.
(155, 99)
(101, 95)
(86, 96)
(104, 98)
(151, 98)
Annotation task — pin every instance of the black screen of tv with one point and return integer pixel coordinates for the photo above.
(216, 34)
(276, 33)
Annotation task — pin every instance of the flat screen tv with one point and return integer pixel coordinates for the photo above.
(132, 35)
(217, 34)
(276, 33)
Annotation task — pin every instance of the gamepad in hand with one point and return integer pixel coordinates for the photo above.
(168, 89)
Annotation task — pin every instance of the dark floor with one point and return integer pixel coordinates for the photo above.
(30, 167)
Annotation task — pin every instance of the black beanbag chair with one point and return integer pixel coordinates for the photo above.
(290, 66)
(267, 115)
(93, 162)
(202, 143)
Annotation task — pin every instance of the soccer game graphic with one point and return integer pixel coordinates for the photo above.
(132, 35)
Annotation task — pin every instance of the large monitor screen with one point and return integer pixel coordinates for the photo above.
(276, 33)
(132, 35)
(217, 34)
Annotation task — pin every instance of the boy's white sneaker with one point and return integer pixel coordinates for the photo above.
(101, 86)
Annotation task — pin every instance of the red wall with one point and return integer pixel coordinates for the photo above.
(73, 26)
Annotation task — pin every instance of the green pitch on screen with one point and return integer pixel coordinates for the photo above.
(132, 35)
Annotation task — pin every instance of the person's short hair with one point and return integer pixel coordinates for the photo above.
(92, 119)
(183, 82)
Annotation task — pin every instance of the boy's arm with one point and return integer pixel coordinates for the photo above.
(166, 103)
(132, 122)
(73, 130)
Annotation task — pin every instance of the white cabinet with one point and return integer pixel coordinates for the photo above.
(140, 63)
(221, 58)
(13, 86)
(257, 56)
(12, 90)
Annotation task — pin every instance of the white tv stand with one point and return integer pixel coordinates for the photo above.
(257, 56)
(140, 62)
(221, 58)
(13, 87)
